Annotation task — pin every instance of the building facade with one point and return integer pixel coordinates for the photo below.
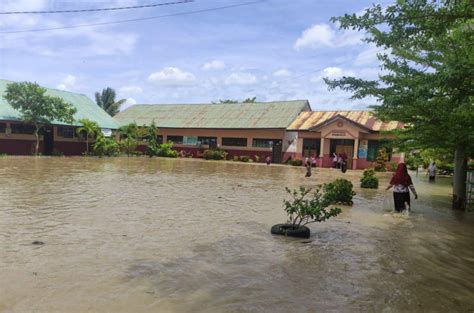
(281, 130)
(17, 138)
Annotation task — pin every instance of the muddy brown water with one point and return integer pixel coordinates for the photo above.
(160, 235)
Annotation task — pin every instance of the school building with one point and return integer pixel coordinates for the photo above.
(280, 130)
(17, 138)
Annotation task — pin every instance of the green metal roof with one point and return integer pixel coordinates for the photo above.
(86, 108)
(223, 115)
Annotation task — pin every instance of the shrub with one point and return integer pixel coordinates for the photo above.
(236, 158)
(214, 154)
(128, 145)
(256, 158)
(380, 161)
(166, 150)
(369, 180)
(445, 168)
(393, 166)
(152, 144)
(302, 211)
(339, 191)
(104, 146)
(244, 158)
(297, 162)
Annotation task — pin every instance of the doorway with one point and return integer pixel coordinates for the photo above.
(343, 146)
(277, 150)
(48, 140)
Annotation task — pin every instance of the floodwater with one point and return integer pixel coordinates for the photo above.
(162, 235)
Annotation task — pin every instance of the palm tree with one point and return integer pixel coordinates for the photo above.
(106, 100)
(89, 128)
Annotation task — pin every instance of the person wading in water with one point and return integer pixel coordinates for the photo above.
(307, 164)
(402, 184)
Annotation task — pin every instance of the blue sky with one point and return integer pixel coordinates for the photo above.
(274, 50)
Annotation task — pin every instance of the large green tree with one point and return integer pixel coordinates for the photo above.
(427, 75)
(37, 108)
(106, 100)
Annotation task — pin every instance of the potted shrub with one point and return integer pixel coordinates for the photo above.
(369, 180)
(214, 154)
(306, 207)
(340, 191)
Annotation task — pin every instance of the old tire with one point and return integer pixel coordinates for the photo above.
(288, 230)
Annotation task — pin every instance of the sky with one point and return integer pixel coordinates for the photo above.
(273, 50)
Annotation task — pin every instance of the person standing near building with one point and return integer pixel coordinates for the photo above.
(313, 161)
(432, 172)
(334, 160)
(402, 185)
(343, 162)
(307, 164)
(268, 160)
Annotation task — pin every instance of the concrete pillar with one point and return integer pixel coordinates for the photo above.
(354, 154)
(321, 148)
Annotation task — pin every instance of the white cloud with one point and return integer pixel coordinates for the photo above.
(172, 76)
(240, 79)
(130, 90)
(368, 56)
(213, 65)
(67, 83)
(128, 103)
(331, 73)
(323, 35)
(282, 73)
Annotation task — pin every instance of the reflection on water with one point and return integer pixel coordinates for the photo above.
(158, 235)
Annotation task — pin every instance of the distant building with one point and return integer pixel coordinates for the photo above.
(17, 138)
(277, 129)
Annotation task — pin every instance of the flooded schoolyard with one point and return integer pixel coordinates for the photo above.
(165, 235)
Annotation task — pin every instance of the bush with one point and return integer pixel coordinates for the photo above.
(302, 211)
(369, 180)
(297, 162)
(393, 166)
(380, 161)
(104, 146)
(166, 150)
(235, 158)
(214, 154)
(244, 158)
(128, 145)
(445, 168)
(340, 191)
(256, 158)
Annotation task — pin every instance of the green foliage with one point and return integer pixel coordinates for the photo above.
(131, 135)
(247, 100)
(297, 162)
(339, 191)
(413, 161)
(244, 158)
(106, 100)
(166, 150)
(427, 57)
(393, 166)
(235, 158)
(381, 160)
(104, 146)
(89, 129)
(369, 180)
(302, 211)
(36, 107)
(152, 144)
(215, 154)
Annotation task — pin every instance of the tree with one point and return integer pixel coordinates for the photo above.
(247, 100)
(88, 129)
(250, 100)
(426, 81)
(106, 100)
(37, 108)
(131, 134)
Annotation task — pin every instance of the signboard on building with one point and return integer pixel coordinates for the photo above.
(107, 132)
(363, 147)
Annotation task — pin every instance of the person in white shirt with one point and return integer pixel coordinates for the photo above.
(432, 172)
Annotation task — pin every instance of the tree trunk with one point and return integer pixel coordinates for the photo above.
(459, 179)
(87, 144)
(37, 140)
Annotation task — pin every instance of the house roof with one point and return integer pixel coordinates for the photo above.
(259, 115)
(365, 119)
(86, 108)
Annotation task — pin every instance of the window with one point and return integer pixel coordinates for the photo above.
(265, 143)
(206, 140)
(23, 129)
(373, 149)
(3, 127)
(65, 132)
(175, 139)
(159, 139)
(235, 142)
(311, 147)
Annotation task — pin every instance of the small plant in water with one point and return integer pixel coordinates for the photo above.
(306, 206)
(339, 191)
(369, 180)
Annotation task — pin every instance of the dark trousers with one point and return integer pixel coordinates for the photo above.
(432, 179)
(399, 198)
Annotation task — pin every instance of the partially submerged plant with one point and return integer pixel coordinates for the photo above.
(308, 206)
(339, 191)
(369, 180)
